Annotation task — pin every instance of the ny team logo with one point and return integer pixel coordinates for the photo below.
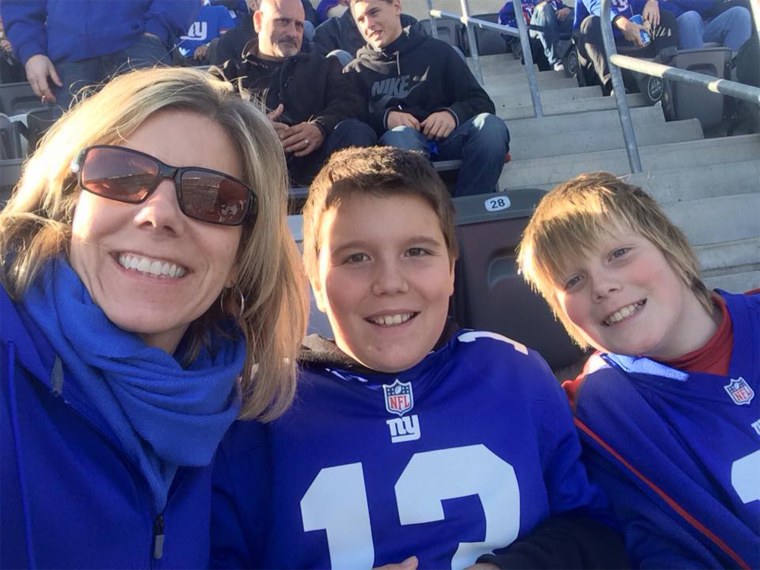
(399, 398)
(741, 392)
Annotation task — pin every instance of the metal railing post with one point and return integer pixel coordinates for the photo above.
(522, 29)
(624, 113)
(471, 40)
(433, 27)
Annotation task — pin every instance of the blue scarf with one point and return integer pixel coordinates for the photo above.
(163, 415)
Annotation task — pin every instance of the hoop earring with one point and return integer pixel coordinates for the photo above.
(241, 307)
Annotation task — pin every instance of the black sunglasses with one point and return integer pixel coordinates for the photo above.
(130, 176)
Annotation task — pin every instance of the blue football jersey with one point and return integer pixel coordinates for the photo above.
(464, 453)
(679, 452)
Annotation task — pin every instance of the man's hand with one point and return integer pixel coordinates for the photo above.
(301, 139)
(38, 69)
(562, 14)
(651, 13)
(200, 52)
(279, 127)
(401, 119)
(631, 31)
(438, 125)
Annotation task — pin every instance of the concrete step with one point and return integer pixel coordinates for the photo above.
(734, 282)
(524, 109)
(581, 140)
(540, 172)
(717, 220)
(507, 85)
(517, 71)
(642, 117)
(733, 266)
(727, 257)
(548, 98)
(689, 183)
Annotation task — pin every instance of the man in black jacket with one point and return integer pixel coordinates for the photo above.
(422, 96)
(312, 105)
(340, 34)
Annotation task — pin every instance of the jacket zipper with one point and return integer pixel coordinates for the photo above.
(158, 537)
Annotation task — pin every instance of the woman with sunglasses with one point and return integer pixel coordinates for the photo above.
(147, 271)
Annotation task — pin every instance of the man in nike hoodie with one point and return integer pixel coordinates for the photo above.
(422, 96)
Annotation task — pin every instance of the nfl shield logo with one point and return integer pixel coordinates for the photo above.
(399, 398)
(740, 391)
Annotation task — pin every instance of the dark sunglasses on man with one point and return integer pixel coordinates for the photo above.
(130, 176)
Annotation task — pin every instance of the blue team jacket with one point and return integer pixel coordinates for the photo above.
(73, 30)
(678, 453)
(70, 496)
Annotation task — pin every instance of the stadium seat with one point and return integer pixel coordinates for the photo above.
(695, 102)
(10, 141)
(17, 98)
(448, 30)
(489, 42)
(489, 294)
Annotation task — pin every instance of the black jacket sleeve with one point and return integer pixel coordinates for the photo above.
(342, 101)
(571, 541)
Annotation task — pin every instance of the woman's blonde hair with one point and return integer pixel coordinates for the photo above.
(35, 225)
(571, 219)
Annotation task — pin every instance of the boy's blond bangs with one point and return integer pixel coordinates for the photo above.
(574, 216)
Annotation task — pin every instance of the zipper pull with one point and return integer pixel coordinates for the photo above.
(158, 537)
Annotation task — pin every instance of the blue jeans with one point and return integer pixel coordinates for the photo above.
(147, 51)
(552, 30)
(730, 29)
(481, 143)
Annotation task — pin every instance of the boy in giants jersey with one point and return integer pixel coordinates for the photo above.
(668, 412)
(408, 440)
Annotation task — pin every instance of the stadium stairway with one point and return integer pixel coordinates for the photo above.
(709, 187)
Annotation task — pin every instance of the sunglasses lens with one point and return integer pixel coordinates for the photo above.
(213, 197)
(118, 174)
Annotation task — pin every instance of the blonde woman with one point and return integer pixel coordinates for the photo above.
(147, 272)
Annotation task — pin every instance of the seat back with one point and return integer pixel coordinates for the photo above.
(489, 42)
(489, 294)
(691, 101)
(448, 30)
(17, 98)
(10, 141)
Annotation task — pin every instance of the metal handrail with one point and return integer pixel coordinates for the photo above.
(521, 32)
(616, 61)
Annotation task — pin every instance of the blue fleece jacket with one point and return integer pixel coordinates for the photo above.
(73, 30)
(71, 497)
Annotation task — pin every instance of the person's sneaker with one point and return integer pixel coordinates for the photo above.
(559, 66)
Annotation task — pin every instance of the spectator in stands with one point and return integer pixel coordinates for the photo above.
(550, 20)
(137, 300)
(668, 410)
(312, 104)
(341, 38)
(232, 44)
(698, 23)
(212, 22)
(11, 70)
(422, 96)
(327, 9)
(402, 411)
(587, 29)
(69, 44)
